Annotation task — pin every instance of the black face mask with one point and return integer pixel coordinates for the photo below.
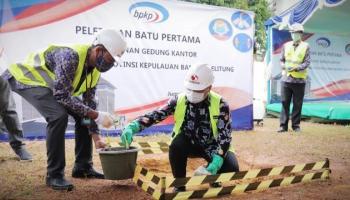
(101, 64)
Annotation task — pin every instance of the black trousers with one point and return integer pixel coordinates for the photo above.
(56, 117)
(289, 92)
(181, 148)
(9, 115)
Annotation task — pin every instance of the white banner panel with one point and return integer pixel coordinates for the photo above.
(164, 39)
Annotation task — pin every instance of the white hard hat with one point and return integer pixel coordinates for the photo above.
(296, 28)
(199, 77)
(112, 40)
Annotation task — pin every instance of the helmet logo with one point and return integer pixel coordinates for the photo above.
(194, 77)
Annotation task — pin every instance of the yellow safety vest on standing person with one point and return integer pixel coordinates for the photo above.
(33, 71)
(214, 112)
(294, 57)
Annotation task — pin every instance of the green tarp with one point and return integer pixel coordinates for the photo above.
(324, 110)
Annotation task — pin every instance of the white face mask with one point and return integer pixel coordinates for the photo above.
(296, 37)
(194, 97)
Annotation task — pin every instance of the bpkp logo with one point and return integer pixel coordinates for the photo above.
(323, 42)
(149, 12)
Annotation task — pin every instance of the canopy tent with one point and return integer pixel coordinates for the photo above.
(317, 16)
(327, 30)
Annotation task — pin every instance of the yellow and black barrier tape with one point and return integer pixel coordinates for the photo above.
(150, 147)
(255, 173)
(156, 185)
(149, 176)
(147, 181)
(245, 187)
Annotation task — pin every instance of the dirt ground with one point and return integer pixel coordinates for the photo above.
(262, 147)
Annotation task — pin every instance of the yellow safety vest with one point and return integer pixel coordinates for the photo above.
(33, 71)
(214, 111)
(294, 57)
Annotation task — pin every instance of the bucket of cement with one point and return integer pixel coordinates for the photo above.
(118, 163)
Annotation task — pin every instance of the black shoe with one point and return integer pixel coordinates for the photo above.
(297, 129)
(215, 185)
(86, 173)
(179, 189)
(23, 154)
(281, 130)
(59, 184)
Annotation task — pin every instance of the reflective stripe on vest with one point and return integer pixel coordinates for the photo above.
(33, 70)
(294, 57)
(214, 111)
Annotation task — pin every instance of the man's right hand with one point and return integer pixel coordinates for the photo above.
(128, 132)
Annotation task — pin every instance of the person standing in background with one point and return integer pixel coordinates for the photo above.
(295, 61)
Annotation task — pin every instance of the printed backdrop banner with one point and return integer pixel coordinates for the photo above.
(165, 38)
(329, 71)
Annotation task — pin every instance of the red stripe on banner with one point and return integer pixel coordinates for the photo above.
(168, 120)
(33, 10)
(141, 108)
(51, 14)
(333, 92)
(341, 83)
(333, 89)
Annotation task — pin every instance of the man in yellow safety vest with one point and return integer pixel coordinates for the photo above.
(53, 81)
(202, 126)
(295, 61)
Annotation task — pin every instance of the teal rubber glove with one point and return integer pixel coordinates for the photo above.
(128, 132)
(215, 164)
